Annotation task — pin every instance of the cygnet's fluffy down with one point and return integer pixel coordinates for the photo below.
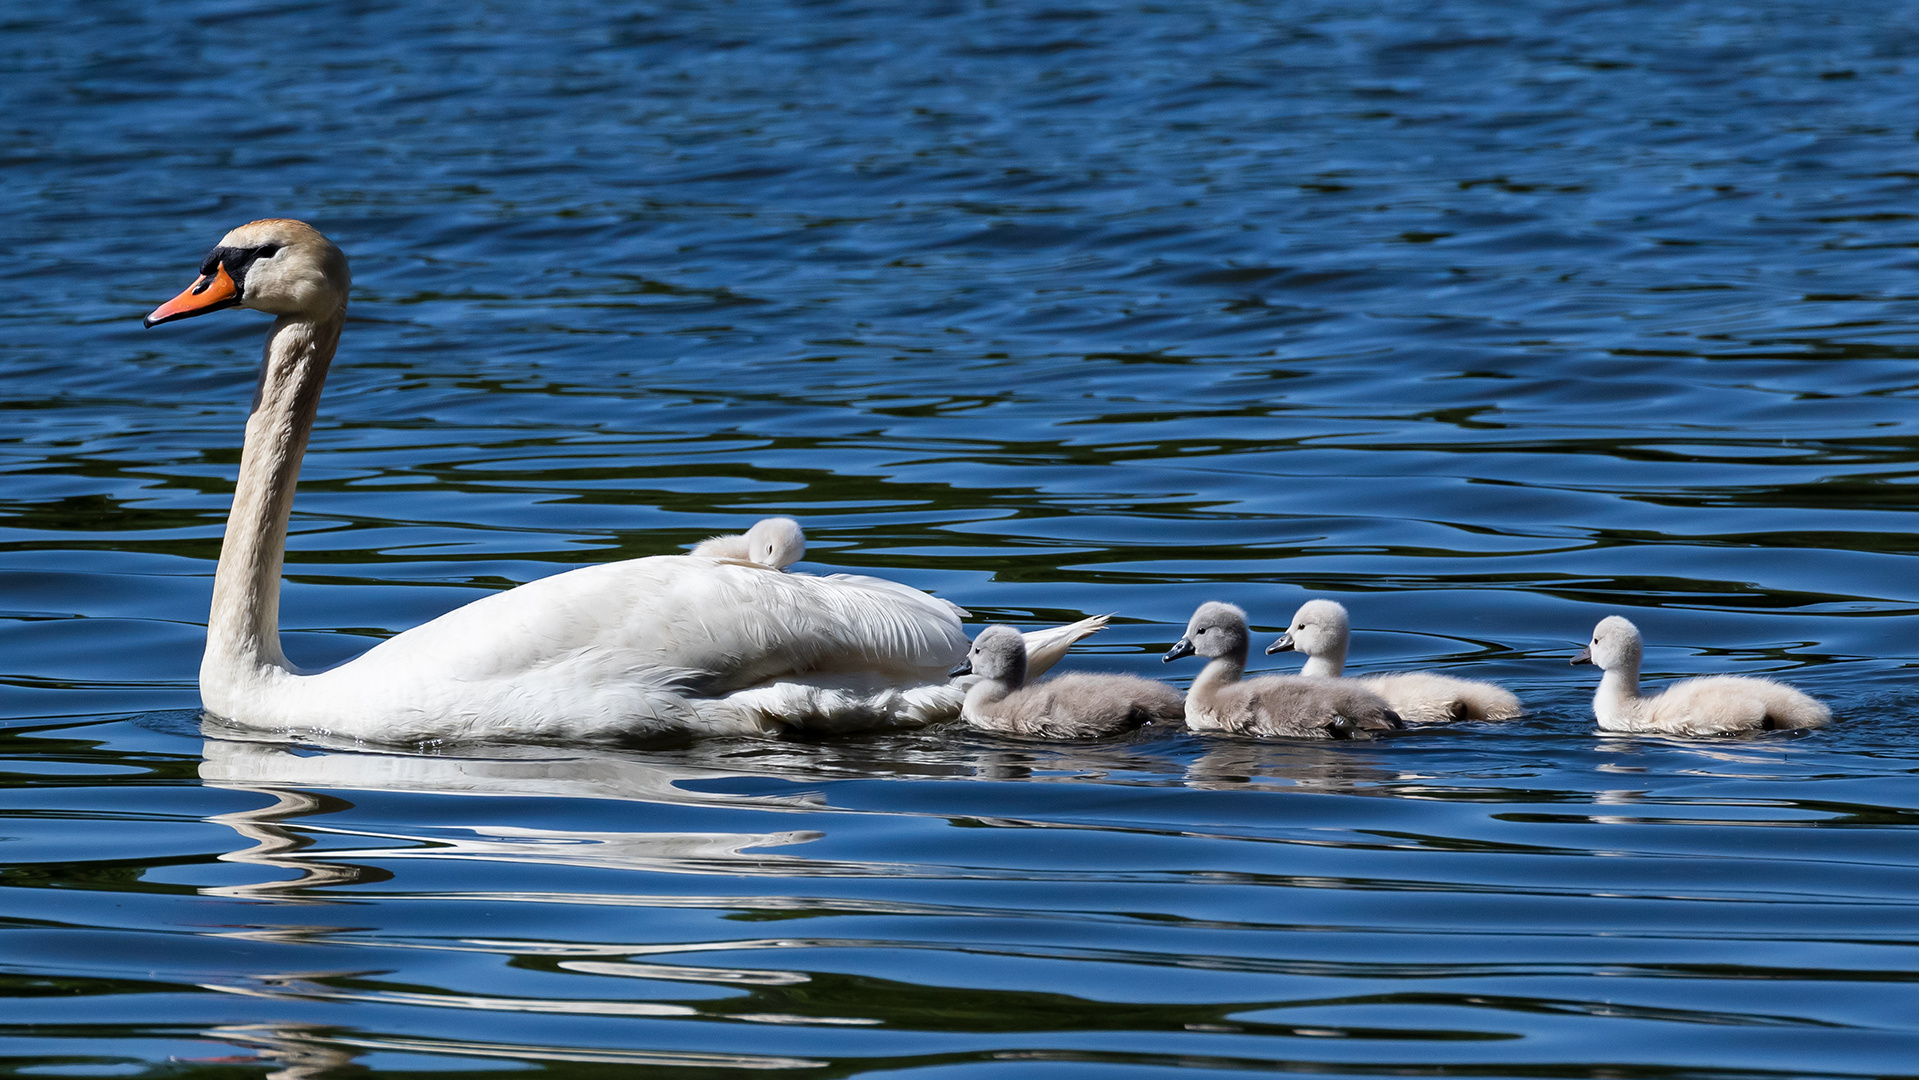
(775, 542)
(1278, 705)
(1712, 705)
(1081, 706)
(1320, 631)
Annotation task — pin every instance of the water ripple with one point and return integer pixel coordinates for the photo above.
(1487, 321)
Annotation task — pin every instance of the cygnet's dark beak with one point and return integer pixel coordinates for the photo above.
(1182, 647)
(1284, 644)
(964, 667)
(1583, 656)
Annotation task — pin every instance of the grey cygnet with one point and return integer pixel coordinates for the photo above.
(1279, 705)
(1072, 706)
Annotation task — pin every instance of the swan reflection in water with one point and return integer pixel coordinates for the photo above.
(315, 1052)
(285, 776)
(301, 787)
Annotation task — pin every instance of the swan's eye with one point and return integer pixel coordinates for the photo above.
(267, 251)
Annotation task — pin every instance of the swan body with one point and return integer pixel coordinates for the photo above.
(1320, 630)
(775, 543)
(1072, 706)
(666, 645)
(1290, 706)
(1711, 705)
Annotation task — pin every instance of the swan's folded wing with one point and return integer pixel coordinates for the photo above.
(697, 625)
(865, 581)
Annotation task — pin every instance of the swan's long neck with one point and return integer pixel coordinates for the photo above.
(243, 628)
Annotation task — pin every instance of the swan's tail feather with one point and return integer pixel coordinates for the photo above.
(1044, 648)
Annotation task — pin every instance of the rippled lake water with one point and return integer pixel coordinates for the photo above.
(1486, 319)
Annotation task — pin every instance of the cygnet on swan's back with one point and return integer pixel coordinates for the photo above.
(1320, 630)
(1711, 705)
(1281, 705)
(1080, 706)
(775, 542)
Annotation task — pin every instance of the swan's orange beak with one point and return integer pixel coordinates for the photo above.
(211, 293)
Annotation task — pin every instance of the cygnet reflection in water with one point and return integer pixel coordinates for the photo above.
(1712, 705)
(1322, 768)
(1073, 706)
(1320, 630)
(1275, 705)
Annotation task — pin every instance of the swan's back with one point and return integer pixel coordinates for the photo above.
(632, 649)
(1422, 697)
(1078, 706)
(1721, 704)
(1290, 706)
(716, 628)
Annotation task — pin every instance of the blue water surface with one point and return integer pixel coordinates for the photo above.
(1487, 319)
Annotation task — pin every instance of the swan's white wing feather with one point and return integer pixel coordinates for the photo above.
(730, 626)
(955, 610)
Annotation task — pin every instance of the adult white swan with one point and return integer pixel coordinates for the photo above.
(634, 649)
